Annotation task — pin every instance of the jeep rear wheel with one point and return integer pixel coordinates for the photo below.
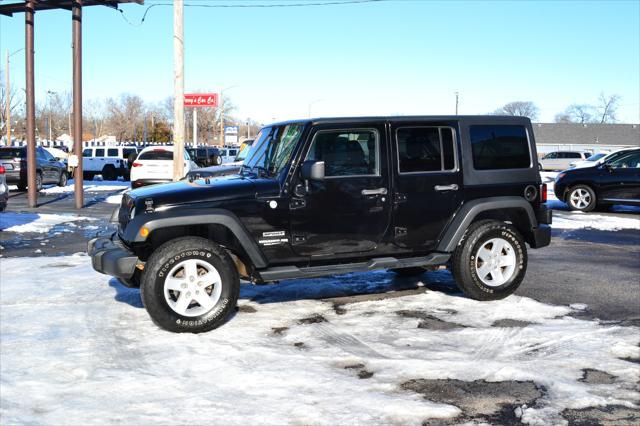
(491, 261)
(190, 285)
(109, 173)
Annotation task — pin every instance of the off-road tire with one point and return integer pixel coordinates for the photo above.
(88, 175)
(171, 253)
(22, 187)
(464, 260)
(109, 173)
(62, 181)
(409, 272)
(593, 201)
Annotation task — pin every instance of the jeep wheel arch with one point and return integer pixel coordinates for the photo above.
(478, 208)
(212, 217)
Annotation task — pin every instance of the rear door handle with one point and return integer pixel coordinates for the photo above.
(377, 191)
(452, 187)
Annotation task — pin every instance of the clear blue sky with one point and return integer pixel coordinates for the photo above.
(396, 57)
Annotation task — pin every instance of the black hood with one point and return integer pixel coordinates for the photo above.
(200, 191)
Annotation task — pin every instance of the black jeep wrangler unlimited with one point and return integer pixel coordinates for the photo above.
(331, 196)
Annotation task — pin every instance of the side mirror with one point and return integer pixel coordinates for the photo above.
(312, 170)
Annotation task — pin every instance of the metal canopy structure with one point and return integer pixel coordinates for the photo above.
(29, 8)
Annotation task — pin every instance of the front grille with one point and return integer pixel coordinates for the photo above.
(124, 214)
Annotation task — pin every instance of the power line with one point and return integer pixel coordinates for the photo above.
(250, 6)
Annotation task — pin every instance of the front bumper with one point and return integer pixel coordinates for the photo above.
(111, 257)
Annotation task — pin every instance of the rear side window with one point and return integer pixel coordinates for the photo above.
(425, 149)
(573, 155)
(499, 147)
(100, 152)
(10, 153)
(112, 152)
(127, 152)
(156, 154)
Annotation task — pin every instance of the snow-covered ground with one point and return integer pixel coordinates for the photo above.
(89, 186)
(80, 350)
(36, 222)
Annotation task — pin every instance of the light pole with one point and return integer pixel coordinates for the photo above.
(49, 93)
(222, 113)
(311, 103)
(8, 97)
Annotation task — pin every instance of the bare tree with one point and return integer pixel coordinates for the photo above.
(14, 101)
(520, 109)
(125, 117)
(607, 108)
(562, 117)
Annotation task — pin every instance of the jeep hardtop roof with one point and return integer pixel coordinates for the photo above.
(504, 119)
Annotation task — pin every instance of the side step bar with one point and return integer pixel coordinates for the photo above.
(292, 272)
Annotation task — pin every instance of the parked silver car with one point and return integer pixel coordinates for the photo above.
(561, 160)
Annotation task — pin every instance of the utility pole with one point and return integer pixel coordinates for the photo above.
(8, 101)
(32, 192)
(178, 89)
(221, 119)
(457, 96)
(195, 126)
(76, 26)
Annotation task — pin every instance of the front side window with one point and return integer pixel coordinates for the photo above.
(497, 147)
(87, 153)
(425, 149)
(346, 152)
(100, 152)
(111, 152)
(631, 160)
(551, 156)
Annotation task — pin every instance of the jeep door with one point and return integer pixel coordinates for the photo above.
(348, 211)
(428, 183)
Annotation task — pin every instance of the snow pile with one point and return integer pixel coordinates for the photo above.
(84, 351)
(35, 222)
(89, 186)
(114, 199)
(579, 220)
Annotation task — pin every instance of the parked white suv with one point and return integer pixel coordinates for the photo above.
(228, 154)
(155, 165)
(108, 161)
(561, 160)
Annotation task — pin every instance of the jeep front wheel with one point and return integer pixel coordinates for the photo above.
(190, 285)
(491, 261)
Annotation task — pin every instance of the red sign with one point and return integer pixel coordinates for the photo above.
(201, 100)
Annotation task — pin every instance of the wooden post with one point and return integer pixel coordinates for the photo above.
(178, 89)
(32, 193)
(77, 100)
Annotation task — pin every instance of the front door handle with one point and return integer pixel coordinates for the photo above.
(377, 191)
(452, 187)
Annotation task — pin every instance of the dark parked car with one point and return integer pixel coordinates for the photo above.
(205, 156)
(4, 189)
(48, 169)
(616, 181)
(334, 196)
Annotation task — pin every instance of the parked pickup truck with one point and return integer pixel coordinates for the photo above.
(331, 196)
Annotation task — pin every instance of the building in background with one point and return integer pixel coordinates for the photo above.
(588, 137)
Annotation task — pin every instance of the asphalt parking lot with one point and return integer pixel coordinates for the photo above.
(587, 280)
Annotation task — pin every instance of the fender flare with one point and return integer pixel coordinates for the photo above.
(160, 220)
(469, 211)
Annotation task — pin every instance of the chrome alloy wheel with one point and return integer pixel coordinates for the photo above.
(495, 262)
(192, 287)
(580, 198)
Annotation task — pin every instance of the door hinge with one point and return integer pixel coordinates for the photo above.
(297, 203)
(400, 232)
(400, 198)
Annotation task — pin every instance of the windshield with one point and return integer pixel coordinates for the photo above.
(272, 149)
(596, 157)
(244, 151)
